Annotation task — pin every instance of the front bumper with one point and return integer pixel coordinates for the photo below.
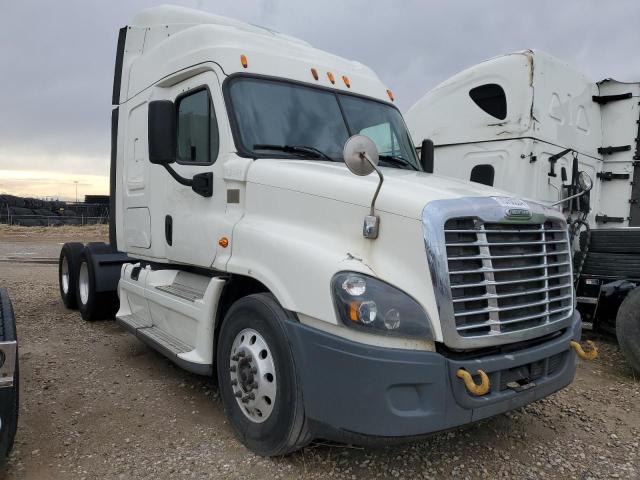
(352, 390)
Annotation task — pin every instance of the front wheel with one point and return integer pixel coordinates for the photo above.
(257, 377)
(628, 328)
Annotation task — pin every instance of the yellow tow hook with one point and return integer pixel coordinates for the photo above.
(474, 389)
(590, 355)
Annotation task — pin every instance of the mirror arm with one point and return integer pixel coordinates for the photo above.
(187, 182)
(570, 198)
(202, 183)
(375, 195)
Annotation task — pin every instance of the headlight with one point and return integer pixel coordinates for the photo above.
(372, 305)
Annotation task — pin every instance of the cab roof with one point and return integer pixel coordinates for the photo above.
(164, 40)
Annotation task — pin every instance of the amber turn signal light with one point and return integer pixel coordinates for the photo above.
(223, 242)
(331, 77)
(243, 61)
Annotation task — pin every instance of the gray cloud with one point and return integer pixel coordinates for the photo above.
(57, 57)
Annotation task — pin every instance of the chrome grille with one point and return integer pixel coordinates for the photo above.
(507, 277)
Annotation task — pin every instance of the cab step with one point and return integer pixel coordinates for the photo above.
(164, 343)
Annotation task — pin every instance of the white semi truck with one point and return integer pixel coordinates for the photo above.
(251, 240)
(528, 123)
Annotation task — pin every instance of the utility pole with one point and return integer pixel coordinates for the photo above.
(76, 182)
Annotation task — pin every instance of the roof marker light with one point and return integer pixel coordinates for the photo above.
(346, 81)
(331, 77)
(314, 72)
(243, 60)
(390, 93)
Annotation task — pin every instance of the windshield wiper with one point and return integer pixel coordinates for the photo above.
(303, 149)
(397, 161)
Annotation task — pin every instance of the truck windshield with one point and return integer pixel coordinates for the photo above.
(278, 118)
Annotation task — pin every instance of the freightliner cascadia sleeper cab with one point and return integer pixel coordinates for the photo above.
(273, 225)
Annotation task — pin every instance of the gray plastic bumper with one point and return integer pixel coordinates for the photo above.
(354, 389)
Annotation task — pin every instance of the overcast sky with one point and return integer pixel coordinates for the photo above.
(56, 60)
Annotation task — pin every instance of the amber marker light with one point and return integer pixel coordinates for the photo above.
(390, 93)
(223, 242)
(346, 81)
(353, 311)
(331, 77)
(314, 72)
(243, 60)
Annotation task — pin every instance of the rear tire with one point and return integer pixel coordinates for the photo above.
(93, 305)
(628, 328)
(8, 396)
(68, 266)
(284, 428)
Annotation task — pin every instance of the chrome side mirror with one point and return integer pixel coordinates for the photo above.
(361, 156)
(584, 182)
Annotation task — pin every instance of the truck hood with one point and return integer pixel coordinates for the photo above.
(404, 192)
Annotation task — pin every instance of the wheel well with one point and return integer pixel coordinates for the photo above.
(237, 286)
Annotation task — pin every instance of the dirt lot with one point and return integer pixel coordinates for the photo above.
(96, 403)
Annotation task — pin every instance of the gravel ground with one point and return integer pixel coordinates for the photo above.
(96, 403)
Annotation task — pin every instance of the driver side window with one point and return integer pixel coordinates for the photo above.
(198, 139)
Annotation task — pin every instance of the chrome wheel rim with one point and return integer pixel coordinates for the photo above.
(83, 283)
(253, 375)
(64, 275)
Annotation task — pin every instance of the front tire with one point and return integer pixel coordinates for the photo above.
(257, 377)
(628, 328)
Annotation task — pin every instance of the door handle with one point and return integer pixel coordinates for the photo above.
(168, 229)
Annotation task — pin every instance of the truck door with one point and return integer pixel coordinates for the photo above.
(192, 223)
(620, 176)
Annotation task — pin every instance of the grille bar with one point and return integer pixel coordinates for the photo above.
(508, 257)
(506, 231)
(516, 320)
(511, 269)
(525, 280)
(503, 244)
(511, 307)
(508, 295)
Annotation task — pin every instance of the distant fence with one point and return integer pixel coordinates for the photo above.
(51, 220)
(34, 212)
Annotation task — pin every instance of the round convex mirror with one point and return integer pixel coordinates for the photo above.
(584, 181)
(355, 153)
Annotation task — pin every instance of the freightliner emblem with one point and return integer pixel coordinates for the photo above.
(514, 208)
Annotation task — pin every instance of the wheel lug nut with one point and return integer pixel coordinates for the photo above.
(234, 358)
(248, 397)
(254, 385)
(234, 382)
(238, 394)
(254, 370)
(232, 368)
(248, 357)
(241, 354)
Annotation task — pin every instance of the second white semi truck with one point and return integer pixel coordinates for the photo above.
(273, 226)
(528, 123)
